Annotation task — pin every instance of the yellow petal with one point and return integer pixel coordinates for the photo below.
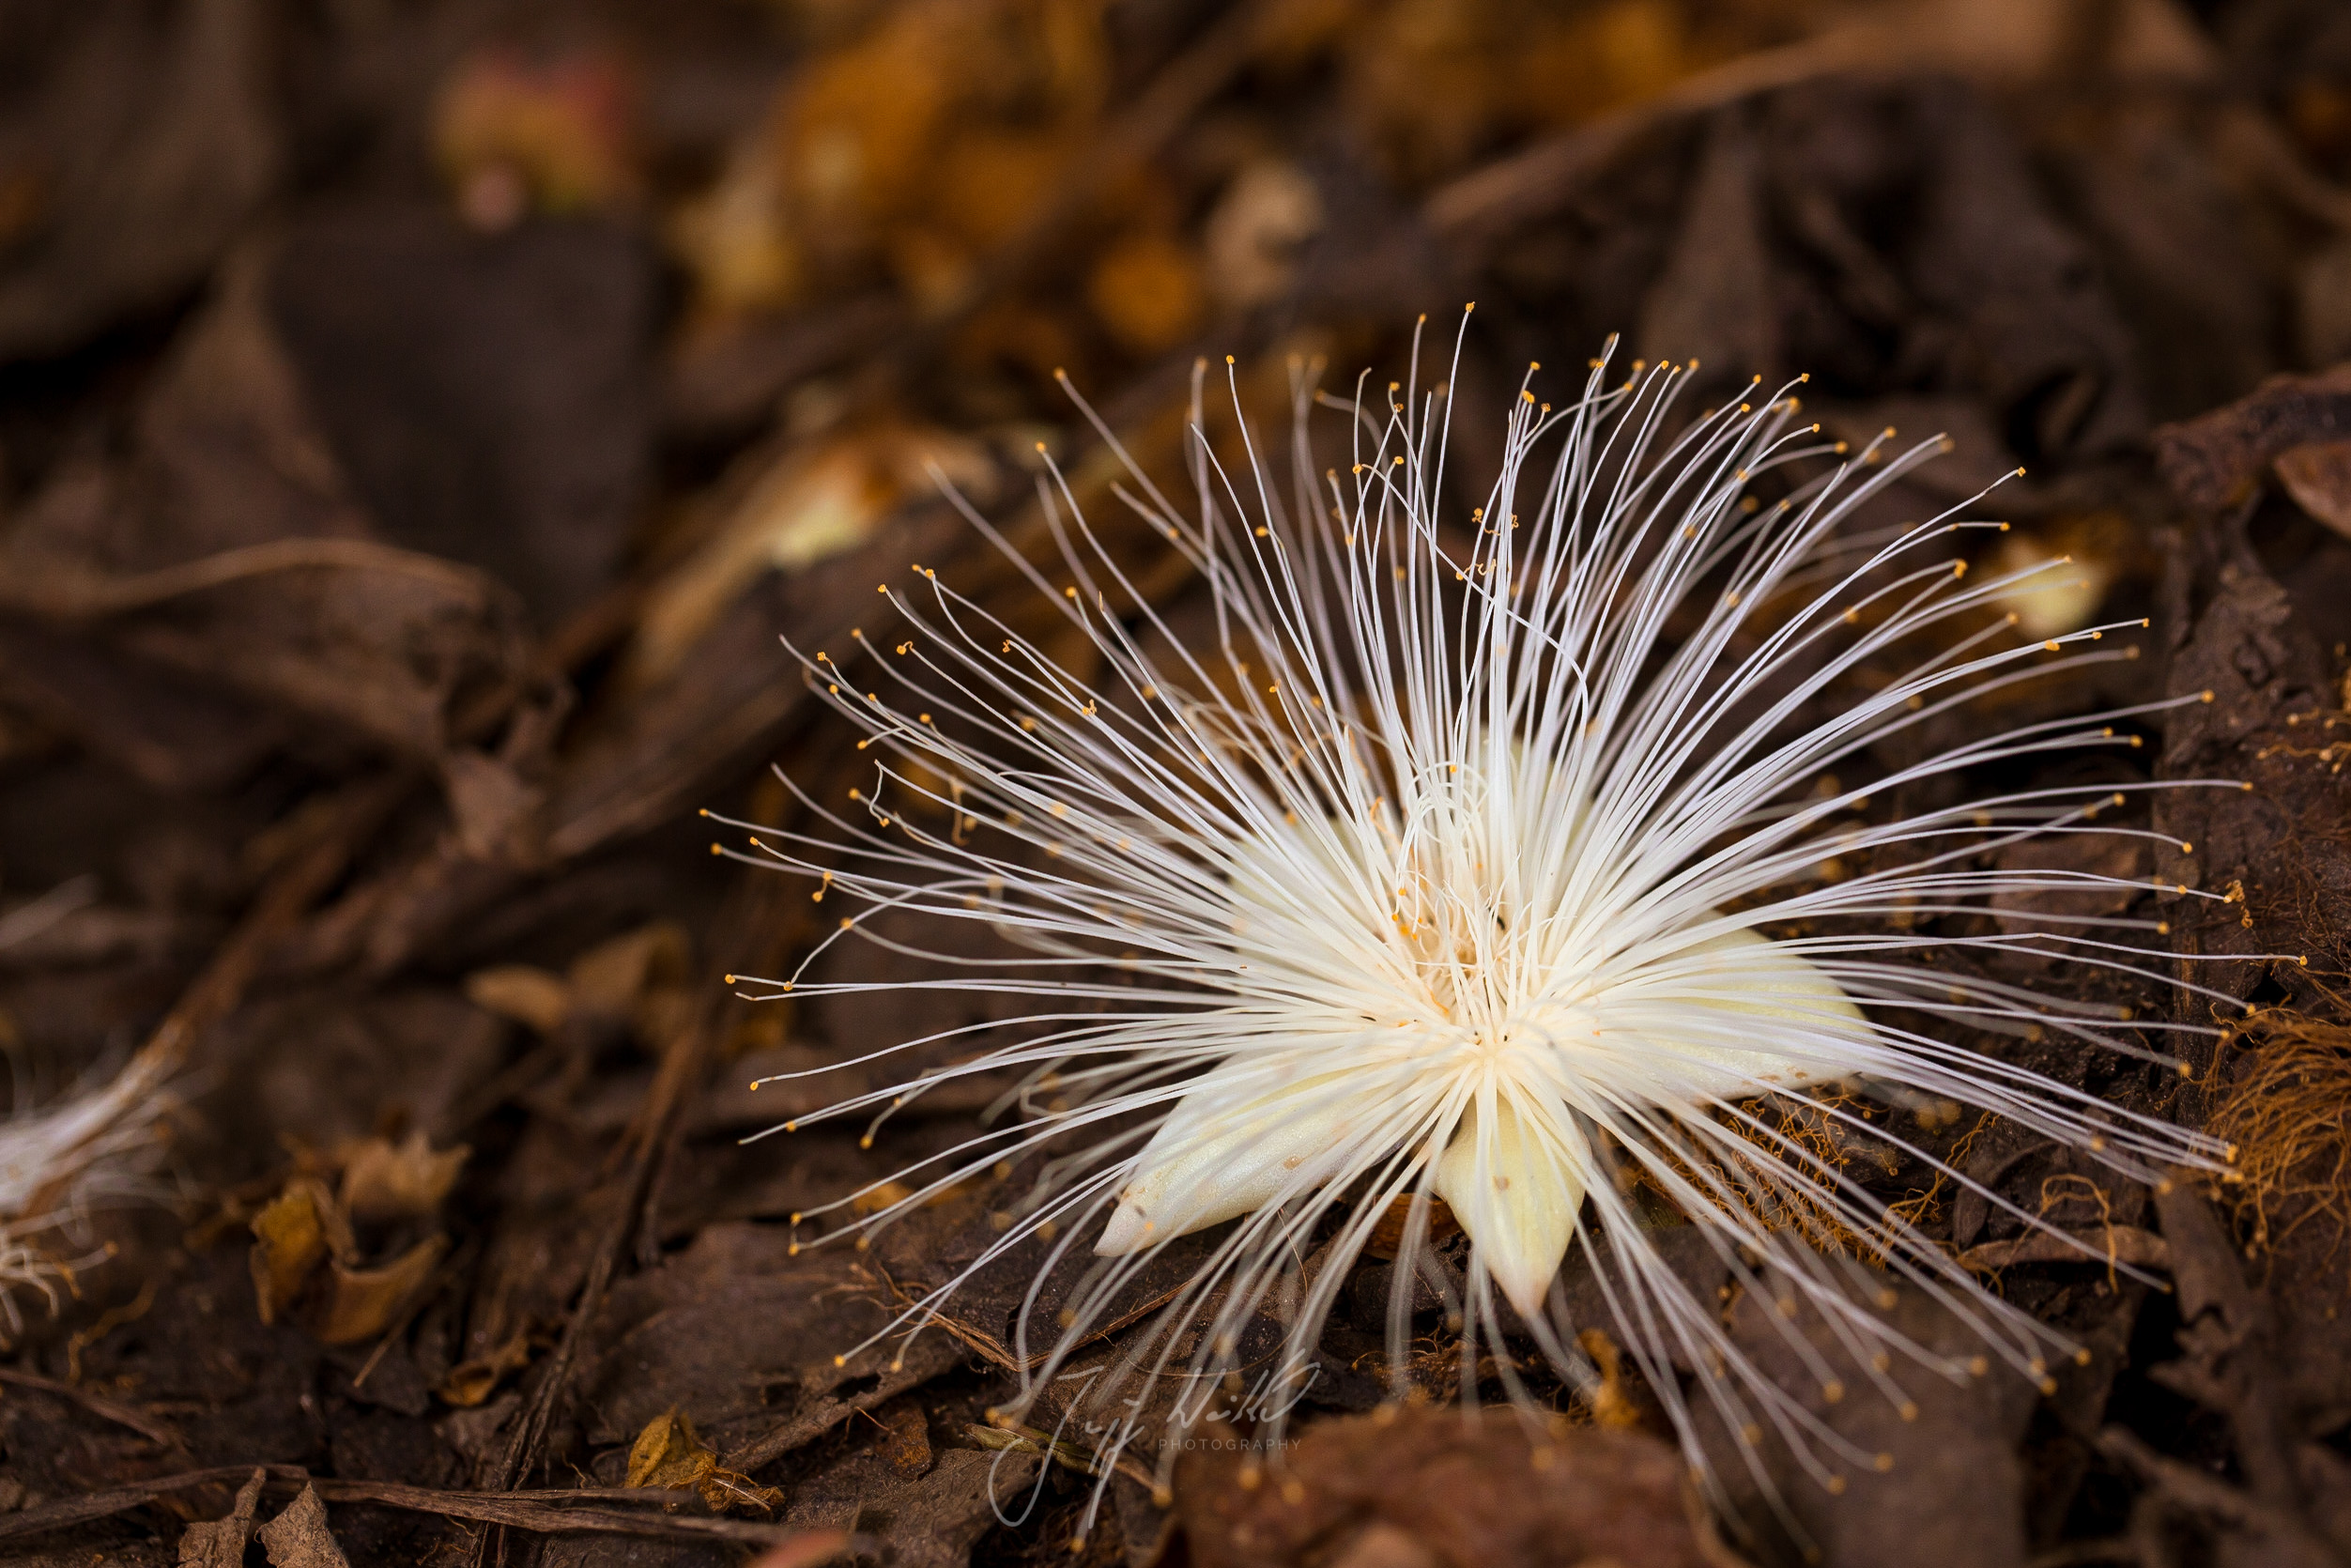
(1517, 1194)
(1213, 1160)
(1762, 979)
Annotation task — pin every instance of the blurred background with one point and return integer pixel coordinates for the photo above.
(420, 418)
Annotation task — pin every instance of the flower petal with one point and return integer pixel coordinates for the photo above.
(1516, 1192)
(1213, 1159)
(1747, 976)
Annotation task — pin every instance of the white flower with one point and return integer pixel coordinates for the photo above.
(1487, 859)
(93, 1149)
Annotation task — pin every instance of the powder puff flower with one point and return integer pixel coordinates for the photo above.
(1492, 861)
(93, 1149)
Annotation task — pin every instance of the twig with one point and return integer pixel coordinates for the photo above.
(543, 1512)
(98, 1405)
(1527, 185)
(2123, 1244)
(59, 590)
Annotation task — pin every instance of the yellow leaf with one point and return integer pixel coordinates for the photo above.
(669, 1454)
(293, 1235)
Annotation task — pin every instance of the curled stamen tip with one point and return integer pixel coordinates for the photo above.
(2204, 696)
(2047, 1386)
(1884, 1463)
(1908, 1410)
(1836, 1485)
(718, 849)
(2081, 1357)
(840, 1361)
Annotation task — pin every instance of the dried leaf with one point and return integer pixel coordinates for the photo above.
(611, 977)
(382, 1180)
(1940, 1485)
(668, 1453)
(146, 141)
(520, 358)
(2319, 477)
(522, 991)
(236, 553)
(360, 1303)
(222, 1543)
(1253, 237)
(299, 1537)
(1148, 291)
(929, 1522)
(293, 1235)
(491, 805)
(471, 1382)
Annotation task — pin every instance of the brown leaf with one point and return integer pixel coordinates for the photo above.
(146, 140)
(233, 552)
(293, 1235)
(1943, 1486)
(299, 1537)
(382, 1180)
(668, 1453)
(2319, 477)
(491, 806)
(519, 360)
(679, 1334)
(222, 1543)
(360, 1303)
(931, 1521)
(470, 1382)
(526, 993)
(613, 976)
(1430, 1488)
